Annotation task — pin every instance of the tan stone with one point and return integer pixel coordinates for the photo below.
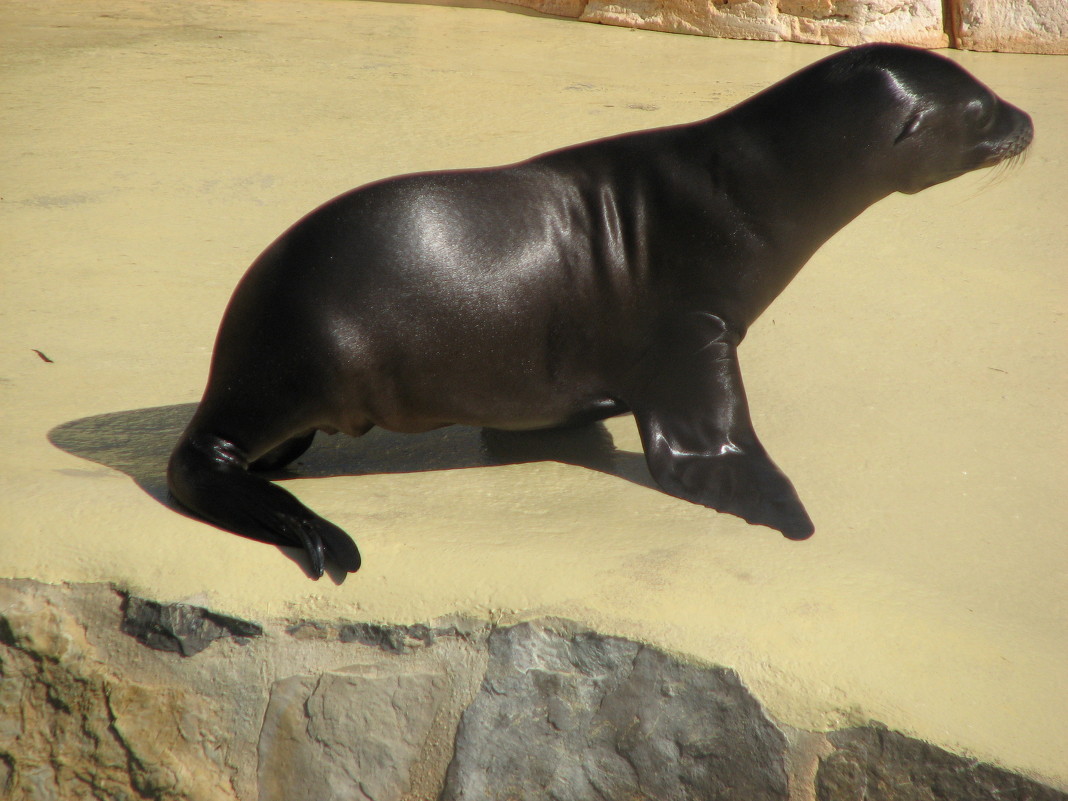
(1014, 26)
(71, 729)
(360, 727)
(836, 22)
(175, 743)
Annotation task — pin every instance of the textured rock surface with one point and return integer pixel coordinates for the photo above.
(399, 639)
(72, 728)
(182, 628)
(837, 22)
(583, 717)
(1015, 26)
(872, 764)
(361, 732)
(450, 710)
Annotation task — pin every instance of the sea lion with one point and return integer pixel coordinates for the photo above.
(617, 275)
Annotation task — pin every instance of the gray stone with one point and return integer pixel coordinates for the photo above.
(583, 717)
(873, 764)
(186, 629)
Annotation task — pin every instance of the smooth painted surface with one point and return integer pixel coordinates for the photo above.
(911, 381)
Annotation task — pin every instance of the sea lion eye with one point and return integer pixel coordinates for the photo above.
(984, 113)
(986, 119)
(912, 125)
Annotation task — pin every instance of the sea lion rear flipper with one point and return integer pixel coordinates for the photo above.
(699, 440)
(209, 476)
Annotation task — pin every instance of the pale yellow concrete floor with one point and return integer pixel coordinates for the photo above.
(911, 380)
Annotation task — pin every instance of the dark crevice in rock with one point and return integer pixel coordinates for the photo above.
(7, 773)
(10, 638)
(396, 639)
(134, 768)
(181, 628)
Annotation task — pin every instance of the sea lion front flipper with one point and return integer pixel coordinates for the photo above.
(209, 476)
(699, 440)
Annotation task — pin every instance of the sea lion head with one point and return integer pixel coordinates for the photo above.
(940, 122)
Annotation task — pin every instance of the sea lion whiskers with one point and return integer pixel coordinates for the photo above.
(1001, 171)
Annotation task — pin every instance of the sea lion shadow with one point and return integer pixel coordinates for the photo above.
(138, 443)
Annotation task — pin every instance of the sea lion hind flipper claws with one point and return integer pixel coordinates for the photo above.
(319, 537)
(339, 545)
(208, 476)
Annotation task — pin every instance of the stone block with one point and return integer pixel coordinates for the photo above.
(1014, 26)
(357, 733)
(584, 717)
(1011, 26)
(836, 22)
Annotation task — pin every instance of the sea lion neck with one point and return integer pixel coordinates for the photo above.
(811, 178)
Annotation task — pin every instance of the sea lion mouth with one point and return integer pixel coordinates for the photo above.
(1011, 148)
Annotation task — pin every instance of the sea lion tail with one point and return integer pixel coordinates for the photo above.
(209, 476)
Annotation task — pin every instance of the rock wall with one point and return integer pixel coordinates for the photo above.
(1016, 26)
(1013, 26)
(108, 696)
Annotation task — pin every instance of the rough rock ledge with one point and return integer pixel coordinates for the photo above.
(104, 695)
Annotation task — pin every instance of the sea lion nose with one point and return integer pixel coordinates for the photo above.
(1027, 131)
(1021, 131)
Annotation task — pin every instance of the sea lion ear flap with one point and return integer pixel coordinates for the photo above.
(911, 126)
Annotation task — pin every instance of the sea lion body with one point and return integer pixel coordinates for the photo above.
(618, 275)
